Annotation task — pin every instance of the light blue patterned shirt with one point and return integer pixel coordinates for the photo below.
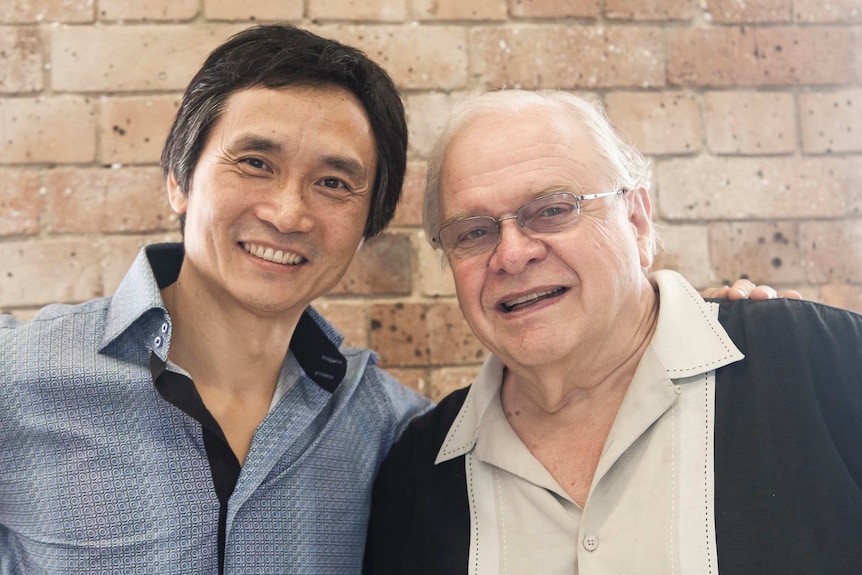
(100, 474)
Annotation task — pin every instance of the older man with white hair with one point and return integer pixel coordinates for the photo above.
(621, 424)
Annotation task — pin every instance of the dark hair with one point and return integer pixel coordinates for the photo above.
(275, 56)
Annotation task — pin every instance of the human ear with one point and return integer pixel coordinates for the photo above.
(178, 199)
(640, 217)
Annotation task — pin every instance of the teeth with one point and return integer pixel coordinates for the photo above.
(511, 304)
(271, 255)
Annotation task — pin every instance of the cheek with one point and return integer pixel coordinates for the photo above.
(468, 288)
(343, 238)
(461, 275)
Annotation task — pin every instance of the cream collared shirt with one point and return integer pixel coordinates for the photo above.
(649, 510)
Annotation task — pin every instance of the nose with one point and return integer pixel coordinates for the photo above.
(515, 249)
(286, 208)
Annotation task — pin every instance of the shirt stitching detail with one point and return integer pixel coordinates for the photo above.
(728, 351)
(706, 463)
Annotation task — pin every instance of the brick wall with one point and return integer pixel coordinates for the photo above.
(751, 112)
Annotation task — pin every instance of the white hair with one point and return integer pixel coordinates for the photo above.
(620, 164)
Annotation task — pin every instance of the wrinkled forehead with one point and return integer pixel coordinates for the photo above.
(518, 155)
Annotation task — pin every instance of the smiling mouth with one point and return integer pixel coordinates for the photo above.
(271, 255)
(530, 299)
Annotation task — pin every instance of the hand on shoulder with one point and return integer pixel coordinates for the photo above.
(746, 289)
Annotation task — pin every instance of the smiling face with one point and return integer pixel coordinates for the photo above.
(278, 199)
(539, 300)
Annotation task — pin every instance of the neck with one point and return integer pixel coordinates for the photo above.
(595, 379)
(233, 349)
(564, 413)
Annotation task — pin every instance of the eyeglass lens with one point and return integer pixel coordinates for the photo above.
(474, 235)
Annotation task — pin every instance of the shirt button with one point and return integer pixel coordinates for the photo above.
(591, 542)
(165, 327)
(158, 341)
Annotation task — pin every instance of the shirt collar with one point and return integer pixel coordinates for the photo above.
(138, 303)
(689, 340)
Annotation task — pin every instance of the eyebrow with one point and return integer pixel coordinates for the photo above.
(352, 167)
(254, 143)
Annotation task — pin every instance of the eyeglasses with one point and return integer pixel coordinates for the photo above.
(548, 214)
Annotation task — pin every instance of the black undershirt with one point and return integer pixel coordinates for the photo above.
(316, 354)
(179, 390)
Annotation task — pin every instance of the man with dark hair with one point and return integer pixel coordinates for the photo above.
(205, 418)
(278, 56)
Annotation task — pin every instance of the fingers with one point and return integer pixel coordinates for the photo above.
(746, 289)
(791, 294)
(763, 292)
(715, 292)
(743, 289)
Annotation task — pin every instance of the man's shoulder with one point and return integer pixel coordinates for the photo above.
(58, 335)
(53, 317)
(426, 433)
(381, 381)
(786, 320)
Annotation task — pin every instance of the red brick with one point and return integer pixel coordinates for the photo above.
(124, 58)
(52, 129)
(37, 11)
(757, 188)
(412, 54)
(132, 10)
(119, 251)
(657, 122)
(132, 130)
(257, 10)
(20, 60)
(846, 296)
(831, 121)
(832, 251)
(853, 169)
(750, 122)
(56, 270)
(350, 318)
(653, 10)
(748, 12)
(20, 202)
(409, 212)
(371, 10)
(764, 252)
(446, 380)
(759, 56)
(554, 8)
(400, 333)
(381, 266)
(556, 56)
(83, 200)
(460, 10)
(685, 248)
(831, 11)
(413, 334)
(857, 62)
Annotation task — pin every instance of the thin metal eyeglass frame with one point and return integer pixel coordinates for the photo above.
(517, 217)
